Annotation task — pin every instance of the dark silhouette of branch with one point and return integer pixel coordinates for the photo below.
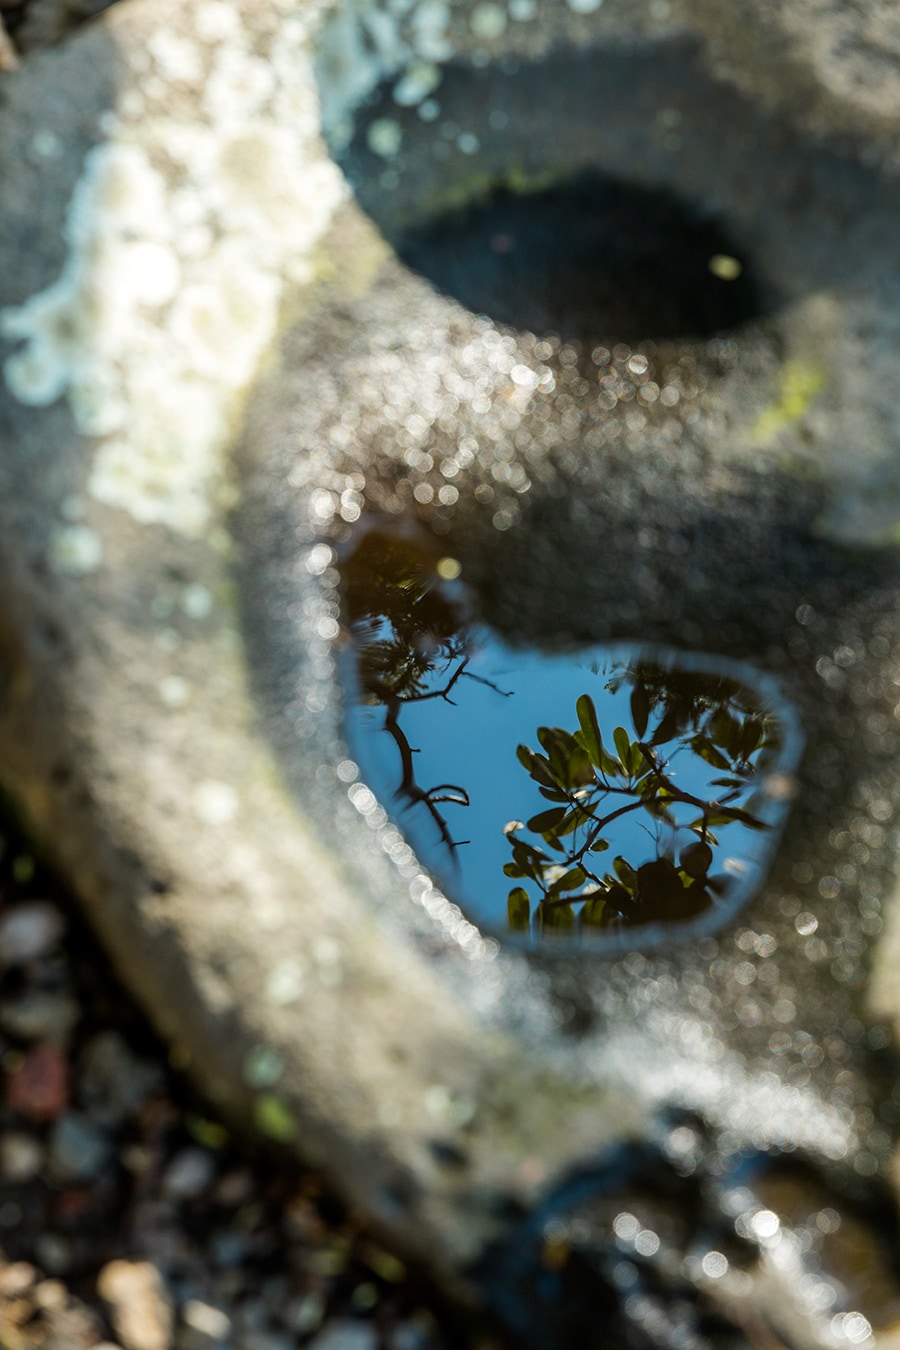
(410, 789)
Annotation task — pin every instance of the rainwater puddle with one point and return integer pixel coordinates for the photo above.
(620, 794)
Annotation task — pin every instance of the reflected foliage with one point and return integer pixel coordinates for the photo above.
(406, 628)
(412, 645)
(594, 785)
(685, 769)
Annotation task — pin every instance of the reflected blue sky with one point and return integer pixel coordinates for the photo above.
(471, 744)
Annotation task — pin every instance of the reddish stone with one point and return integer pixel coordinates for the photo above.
(39, 1087)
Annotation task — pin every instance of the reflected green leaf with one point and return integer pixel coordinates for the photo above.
(590, 729)
(547, 820)
(556, 916)
(518, 909)
(726, 814)
(668, 728)
(623, 745)
(570, 881)
(540, 769)
(696, 859)
(640, 709)
(625, 872)
(524, 756)
(595, 911)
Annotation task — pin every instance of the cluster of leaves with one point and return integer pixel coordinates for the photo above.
(405, 627)
(592, 786)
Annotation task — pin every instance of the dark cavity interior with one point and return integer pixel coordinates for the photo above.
(590, 257)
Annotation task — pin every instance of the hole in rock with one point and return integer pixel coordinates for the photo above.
(615, 793)
(590, 257)
(645, 1248)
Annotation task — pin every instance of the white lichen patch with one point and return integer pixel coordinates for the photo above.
(286, 982)
(196, 601)
(182, 232)
(174, 691)
(175, 57)
(364, 43)
(419, 80)
(215, 803)
(488, 21)
(74, 550)
(384, 137)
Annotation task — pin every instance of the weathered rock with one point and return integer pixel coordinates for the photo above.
(217, 365)
(838, 68)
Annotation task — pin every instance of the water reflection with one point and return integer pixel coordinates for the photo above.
(687, 769)
(617, 790)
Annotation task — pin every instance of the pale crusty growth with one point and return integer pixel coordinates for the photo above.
(363, 43)
(204, 202)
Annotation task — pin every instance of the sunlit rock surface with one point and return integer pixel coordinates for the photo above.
(217, 363)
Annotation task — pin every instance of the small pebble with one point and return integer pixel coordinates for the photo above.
(113, 1081)
(409, 1336)
(39, 1087)
(234, 1187)
(305, 1313)
(41, 1015)
(78, 1150)
(209, 1322)
(28, 931)
(228, 1249)
(251, 1315)
(16, 1278)
(21, 1157)
(139, 1306)
(267, 1340)
(346, 1335)
(189, 1174)
(137, 1158)
(50, 1295)
(54, 1252)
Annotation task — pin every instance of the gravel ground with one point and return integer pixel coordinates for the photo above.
(129, 1216)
